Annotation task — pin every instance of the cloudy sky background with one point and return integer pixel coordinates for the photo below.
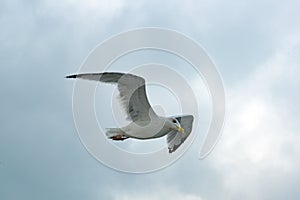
(255, 45)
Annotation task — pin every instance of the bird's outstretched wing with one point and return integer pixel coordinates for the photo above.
(175, 138)
(132, 93)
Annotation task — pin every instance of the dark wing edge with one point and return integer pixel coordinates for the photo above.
(107, 77)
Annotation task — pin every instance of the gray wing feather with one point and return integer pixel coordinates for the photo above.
(175, 138)
(132, 93)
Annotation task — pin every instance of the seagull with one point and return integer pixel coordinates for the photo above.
(144, 123)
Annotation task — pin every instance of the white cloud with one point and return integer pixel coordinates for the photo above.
(258, 154)
(161, 194)
(102, 8)
(261, 140)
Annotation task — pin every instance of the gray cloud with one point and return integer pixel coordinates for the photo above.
(40, 153)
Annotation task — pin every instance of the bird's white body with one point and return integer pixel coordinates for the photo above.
(146, 130)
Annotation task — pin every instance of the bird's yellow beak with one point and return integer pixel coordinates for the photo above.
(180, 129)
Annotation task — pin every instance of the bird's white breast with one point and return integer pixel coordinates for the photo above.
(148, 130)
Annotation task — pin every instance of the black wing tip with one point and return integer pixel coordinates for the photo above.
(71, 76)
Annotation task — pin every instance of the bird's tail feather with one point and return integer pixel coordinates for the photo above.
(116, 134)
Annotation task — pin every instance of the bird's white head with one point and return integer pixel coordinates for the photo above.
(174, 124)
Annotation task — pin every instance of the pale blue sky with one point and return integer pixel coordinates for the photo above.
(255, 45)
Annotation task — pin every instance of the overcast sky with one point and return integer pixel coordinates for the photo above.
(256, 47)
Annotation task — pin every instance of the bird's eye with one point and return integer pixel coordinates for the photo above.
(174, 121)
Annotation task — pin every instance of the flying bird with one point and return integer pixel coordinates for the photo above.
(144, 122)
